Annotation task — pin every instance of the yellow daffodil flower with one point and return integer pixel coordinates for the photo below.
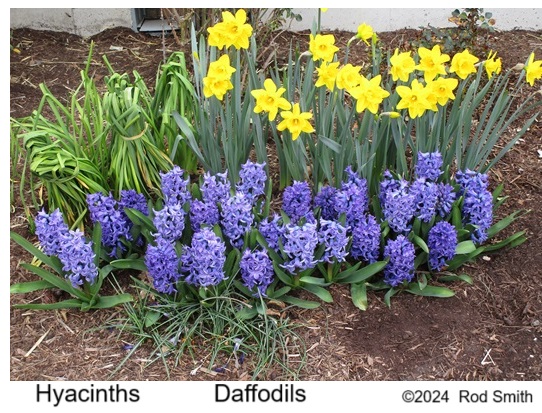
(533, 69)
(365, 33)
(217, 82)
(402, 65)
(269, 99)
(442, 90)
(492, 65)
(213, 86)
(295, 121)
(463, 64)
(369, 95)
(348, 77)
(414, 99)
(322, 47)
(221, 68)
(432, 62)
(327, 73)
(323, 9)
(232, 31)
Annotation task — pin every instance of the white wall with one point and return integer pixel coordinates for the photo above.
(87, 22)
(384, 19)
(83, 22)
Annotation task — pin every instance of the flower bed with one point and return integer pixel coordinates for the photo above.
(383, 226)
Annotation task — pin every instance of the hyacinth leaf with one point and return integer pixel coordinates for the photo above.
(363, 273)
(246, 313)
(459, 260)
(420, 243)
(497, 192)
(30, 286)
(420, 259)
(430, 291)
(456, 217)
(320, 292)
(36, 252)
(143, 221)
(285, 278)
(503, 223)
(111, 301)
(454, 277)
(151, 318)
(129, 264)
(280, 292)
(358, 292)
(387, 297)
(97, 243)
(465, 247)
(298, 302)
(422, 281)
(512, 241)
(71, 303)
(349, 271)
(57, 281)
(231, 266)
(242, 287)
(307, 279)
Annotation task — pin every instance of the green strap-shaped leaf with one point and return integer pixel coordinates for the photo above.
(358, 292)
(320, 292)
(465, 247)
(298, 302)
(28, 287)
(112, 301)
(57, 281)
(129, 264)
(364, 273)
(71, 303)
(430, 291)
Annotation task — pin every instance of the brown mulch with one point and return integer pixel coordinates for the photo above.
(500, 315)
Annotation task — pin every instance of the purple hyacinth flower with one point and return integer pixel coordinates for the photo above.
(300, 244)
(256, 270)
(296, 201)
(169, 222)
(398, 204)
(202, 263)
(252, 179)
(175, 187)
(203, 213)
(273, 231)
(477, 207)
(49, 230)
(425, 198)
(446, 197)
(334, 236)
(366, 239)
(237, 218)
(113, 220)
(442, 242)
(129, 198)
(401, 254)
(326, 200)
(429, 166)
(215, 188)
(163, 265)
(77, 257)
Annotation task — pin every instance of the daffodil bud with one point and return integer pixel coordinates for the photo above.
(393, 115)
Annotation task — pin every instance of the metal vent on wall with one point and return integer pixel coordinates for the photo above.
(148, 20)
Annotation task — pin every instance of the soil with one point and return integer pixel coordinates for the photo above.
(490, 330)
